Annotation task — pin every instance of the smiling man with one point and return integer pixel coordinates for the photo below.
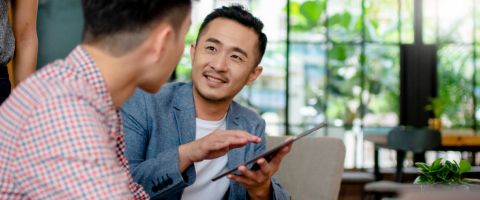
(181, 137)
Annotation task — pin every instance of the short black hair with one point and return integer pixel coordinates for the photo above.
(107, 19)
(239, 14)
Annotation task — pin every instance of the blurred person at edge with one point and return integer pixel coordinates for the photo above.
(21, 43)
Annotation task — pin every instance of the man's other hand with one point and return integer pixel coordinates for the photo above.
(214, 145)
(258, 183)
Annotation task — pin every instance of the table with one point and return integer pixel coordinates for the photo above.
(450, 142)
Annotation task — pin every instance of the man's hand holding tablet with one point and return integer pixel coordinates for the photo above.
(272, 153)
(257, 180)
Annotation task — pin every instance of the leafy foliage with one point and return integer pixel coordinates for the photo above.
(345, 81)
(455, 84)
(306, 16)
(437, 106)
(442, 173)
(379, 85)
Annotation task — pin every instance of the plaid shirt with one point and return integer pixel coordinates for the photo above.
(62, 138)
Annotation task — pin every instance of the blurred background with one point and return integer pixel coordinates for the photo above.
(332, 60)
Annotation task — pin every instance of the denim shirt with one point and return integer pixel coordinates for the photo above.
(156, 125)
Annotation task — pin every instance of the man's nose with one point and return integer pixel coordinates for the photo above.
(219, 62)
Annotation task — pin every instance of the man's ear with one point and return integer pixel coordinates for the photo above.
(162, 38)
(254, 74)
(192, 51)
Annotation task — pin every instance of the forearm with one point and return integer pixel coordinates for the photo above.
(26, 40)
(262, 192)
(25, 59)
(183, 160)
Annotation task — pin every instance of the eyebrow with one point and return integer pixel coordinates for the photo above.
(237, 49)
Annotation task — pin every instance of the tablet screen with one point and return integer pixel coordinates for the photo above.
(268, 155)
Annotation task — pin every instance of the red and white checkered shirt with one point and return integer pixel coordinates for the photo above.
(61, 137)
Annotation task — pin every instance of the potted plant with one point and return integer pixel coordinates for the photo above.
(447, 175)
(437, 106)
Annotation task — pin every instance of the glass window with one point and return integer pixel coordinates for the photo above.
(452, 19)
(345, 20)
(381, 93)
(344, 87)
(381, 24)
(307, 85)
(267, 93)
(430, 21)
(307, 20)
(274, 21)
(455, 22)
(477, 21)
(406, 21)
(455, 71)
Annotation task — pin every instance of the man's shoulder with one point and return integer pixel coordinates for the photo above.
(164, 97)
(41, 87)
(245, 112)
(41, 96)
(170, 89)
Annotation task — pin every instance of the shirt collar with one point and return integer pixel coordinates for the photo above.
(86, 66)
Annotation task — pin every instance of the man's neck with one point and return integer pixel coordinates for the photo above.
(119, 75)
(209, 110)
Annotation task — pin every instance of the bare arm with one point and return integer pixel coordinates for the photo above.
(26, 40)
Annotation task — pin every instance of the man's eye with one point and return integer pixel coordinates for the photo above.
(210, 49)
(237, 58)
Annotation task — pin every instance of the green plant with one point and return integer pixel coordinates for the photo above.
(455, 85)
(442, 173)
(346, 85)
(437, 106)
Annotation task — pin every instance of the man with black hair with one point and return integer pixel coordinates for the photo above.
(61, 136)
(180, 138)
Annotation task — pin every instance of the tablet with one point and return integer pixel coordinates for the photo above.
(268, 155)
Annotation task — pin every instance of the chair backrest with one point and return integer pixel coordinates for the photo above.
(414, 139)
(313, 168)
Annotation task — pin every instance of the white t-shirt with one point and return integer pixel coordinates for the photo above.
(203, 187)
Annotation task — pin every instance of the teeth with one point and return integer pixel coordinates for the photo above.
(214, 79)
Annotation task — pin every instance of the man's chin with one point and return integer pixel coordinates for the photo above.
(216, 99)
(213, 96)
(151, 88)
